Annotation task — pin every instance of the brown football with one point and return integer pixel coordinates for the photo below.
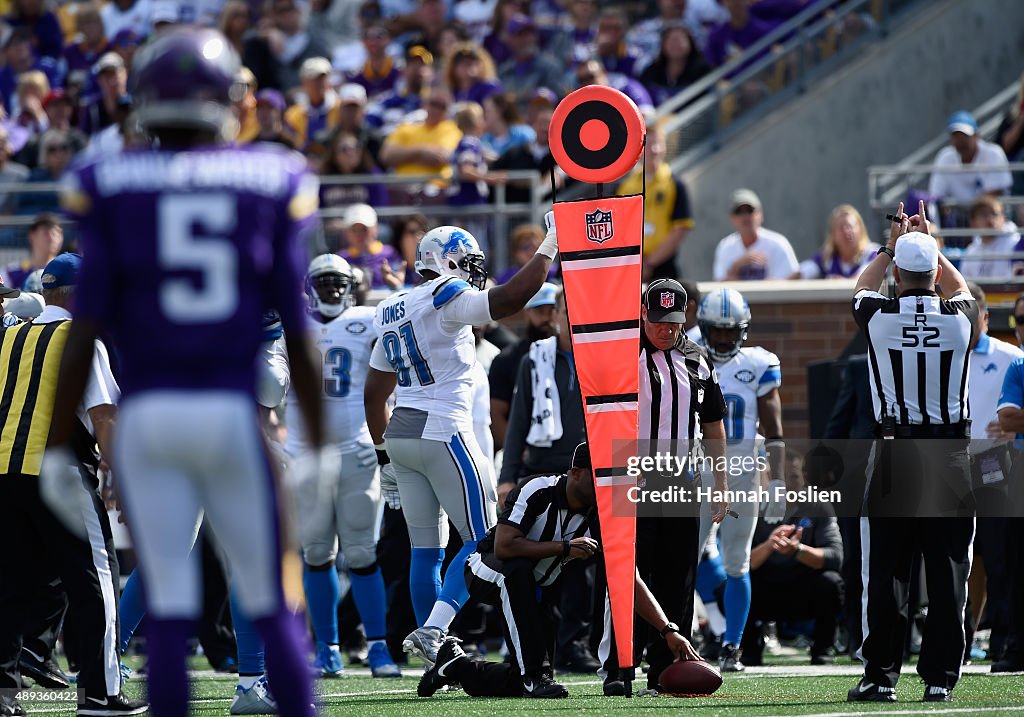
(690, 677)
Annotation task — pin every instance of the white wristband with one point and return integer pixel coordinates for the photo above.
(549, 247)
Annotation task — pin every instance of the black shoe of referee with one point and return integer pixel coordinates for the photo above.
(111, 706)
(937, 694)
(45, 673)
(439, 675)
(543, 687)
(870, 692)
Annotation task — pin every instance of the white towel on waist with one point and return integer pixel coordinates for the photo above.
(546, 420)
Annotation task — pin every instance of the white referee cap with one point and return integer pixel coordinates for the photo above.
(917, 251)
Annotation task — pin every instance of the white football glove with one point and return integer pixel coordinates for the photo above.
(62, 489)
(389, 486)
(366, 456)
(549, 247)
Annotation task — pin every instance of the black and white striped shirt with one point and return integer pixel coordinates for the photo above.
(919, 349)
(678, 391)
(539, 508)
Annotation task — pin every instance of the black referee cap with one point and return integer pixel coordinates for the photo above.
(665, 300)
(581, 456)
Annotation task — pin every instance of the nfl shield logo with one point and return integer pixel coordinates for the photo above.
(599, 226)
(668, 299)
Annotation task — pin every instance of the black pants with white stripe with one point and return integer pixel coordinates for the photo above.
(42, 551)
(510, 586)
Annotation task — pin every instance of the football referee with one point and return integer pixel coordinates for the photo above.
(919, 348)
(30, 356)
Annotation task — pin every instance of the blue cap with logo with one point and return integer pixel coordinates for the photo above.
(544, 297)
(962, 122)
(62, 271)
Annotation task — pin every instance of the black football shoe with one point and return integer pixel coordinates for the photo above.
(543, 687)
(870, 692)
(729, 659)
(111, 706)
(439, 674)
(45, 673)
(937, 694)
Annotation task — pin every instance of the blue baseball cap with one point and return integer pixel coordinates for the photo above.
(62, 271)
(544, 297)
(962, 122)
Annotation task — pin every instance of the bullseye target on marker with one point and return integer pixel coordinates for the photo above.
(597, 134)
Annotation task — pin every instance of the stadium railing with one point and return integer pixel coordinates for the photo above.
(784, 61)
(504, 214)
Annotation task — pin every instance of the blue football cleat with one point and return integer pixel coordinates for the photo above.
(328, 660)
(381, 664)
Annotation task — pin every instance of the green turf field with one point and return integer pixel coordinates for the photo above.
(778, 690)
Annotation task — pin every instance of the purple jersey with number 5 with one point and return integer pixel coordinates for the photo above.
(182, 254)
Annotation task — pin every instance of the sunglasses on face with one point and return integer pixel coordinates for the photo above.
(739, 211)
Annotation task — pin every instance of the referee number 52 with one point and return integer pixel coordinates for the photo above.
(920, 334)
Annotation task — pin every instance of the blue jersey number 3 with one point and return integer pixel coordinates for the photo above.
(337, 368)
(393, 342)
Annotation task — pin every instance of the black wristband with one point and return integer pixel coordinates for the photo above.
(566, 549)
(886, 250)
(383, 458)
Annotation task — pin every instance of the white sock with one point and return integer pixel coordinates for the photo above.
(716, 620)
(441, 616)
(247, 681)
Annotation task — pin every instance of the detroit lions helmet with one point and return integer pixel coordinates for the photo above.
(451, 251)
(186, 79)
(723, 310)
(329, 283)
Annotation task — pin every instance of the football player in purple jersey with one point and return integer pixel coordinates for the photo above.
(186, 245)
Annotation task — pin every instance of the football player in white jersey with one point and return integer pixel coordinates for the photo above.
(343, 334)
(425, 347)
(750, 378)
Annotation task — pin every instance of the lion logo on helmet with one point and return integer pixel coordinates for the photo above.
(456, 240)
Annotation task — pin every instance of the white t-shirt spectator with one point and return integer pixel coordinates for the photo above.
(967, 186)
(989, 361)
(975, 263)
(781, 261)
(138, 18)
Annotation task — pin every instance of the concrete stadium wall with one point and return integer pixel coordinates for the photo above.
(812, 154)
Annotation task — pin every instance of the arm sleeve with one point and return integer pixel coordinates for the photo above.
(999, 179)
(379, 358)
(713, 407)
(721, 264)
(1012, 395)
(965, 304)
(771, 379)
(518, 424)
(831, 542)
(681, 214)
(526, 503)
(101, 388)
(865, 304)
(786, 263)
(466, 308)
(273, 374)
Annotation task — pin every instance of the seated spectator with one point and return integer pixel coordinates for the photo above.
(470, 176)
(120, 14)
(795, 561)
(74, 88)
(393, 108)
(406, 234)
(610, 46)
(59, 113)
(276, 51)
(45, 241)
(33, 16)
(351, 119)
(575, 40)
(965, 148)
(452, 38)
(528, 67)
(752, 252)
(503, 127)
(470, 74)
(54, 157)
(677, 65)
(592, 72)
(317, 108)
(380, 73)
(362, 248)
(1000, 237)
(847, 249)
(348, 155)
(425, 147)
(19, 58)
(245, 106)
(525, 240)
(112, 139)
(27, 107)
(10, 173)
(667, 214)
(535, 155)
(270, 107)
(742, 30)
(496, 42)
(235, 22)
(696, 15)
(90, 43)
(99, 111)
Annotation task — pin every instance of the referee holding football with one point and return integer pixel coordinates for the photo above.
(919, 348)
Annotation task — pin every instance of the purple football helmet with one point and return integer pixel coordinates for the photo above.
(186, 79)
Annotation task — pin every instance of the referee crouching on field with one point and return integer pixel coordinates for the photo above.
(84, 561)
(547, 522)
(919, 348)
